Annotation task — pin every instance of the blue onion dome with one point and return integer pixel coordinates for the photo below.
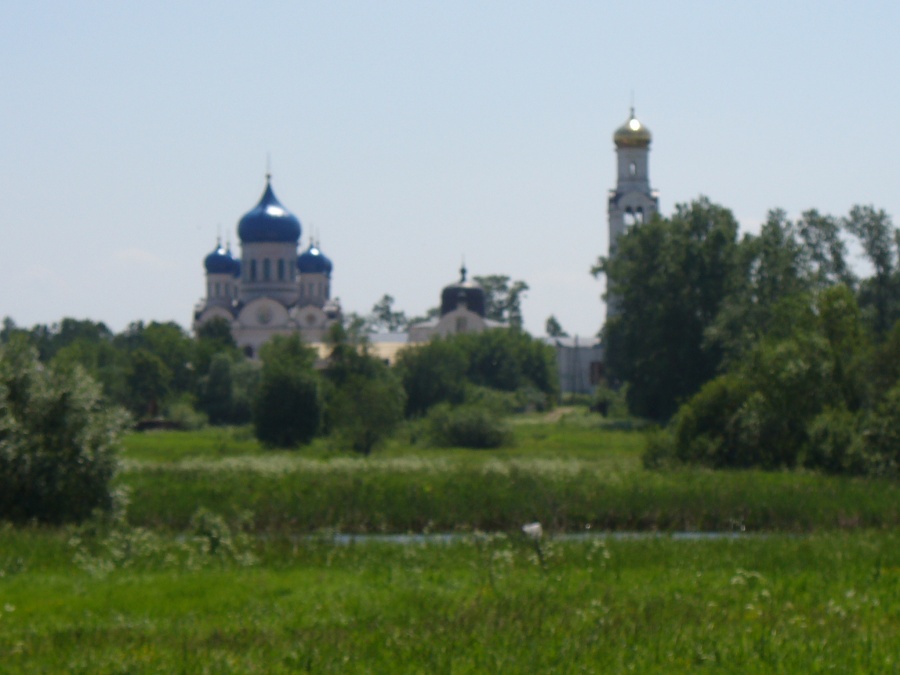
(220, 261)
(269, 221)
(468, 293)
(313, 261)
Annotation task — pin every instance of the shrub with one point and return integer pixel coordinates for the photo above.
(834, 443)
(58, 442)
(467, 426)
(287, 407)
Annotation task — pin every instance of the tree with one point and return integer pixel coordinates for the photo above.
(58, 442)
(216, 397)
(148, 380)
(384, 319)
(503, 298)
(287, 409)
(213, 337)
(671, 277)
(364, 400)
(553, 328)
(432, 373)
(880, 241)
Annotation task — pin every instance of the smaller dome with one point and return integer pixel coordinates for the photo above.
(632, 134)
(313, 261)
(221, 261)
(468, 293)
(269, 221)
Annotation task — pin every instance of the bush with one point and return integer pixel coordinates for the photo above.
(467, 426)
(58, 442)
(287, 406)
(835, 445)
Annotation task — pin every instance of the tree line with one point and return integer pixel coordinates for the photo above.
(764, 349)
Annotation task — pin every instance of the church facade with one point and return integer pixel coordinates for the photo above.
(270, 289)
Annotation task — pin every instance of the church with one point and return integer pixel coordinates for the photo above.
(270, 290)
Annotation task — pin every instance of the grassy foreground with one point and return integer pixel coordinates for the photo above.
(483, 604)
(227, 564)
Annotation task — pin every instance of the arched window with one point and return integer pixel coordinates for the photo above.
(267, 269)
(639, 215)
(253, 270)
(630, 218)
(632, 169)
(281, 270)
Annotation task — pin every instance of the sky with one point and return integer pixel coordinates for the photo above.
(410, 135)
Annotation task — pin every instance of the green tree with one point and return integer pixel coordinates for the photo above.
(384, 319)
(670, 277)
(364, 399)
(287, 409)
(58, 442)
(879, 238)
(213, 337)
(553, 328)
(149, 381)
(503, 298)
(432, 373)
(216, 397)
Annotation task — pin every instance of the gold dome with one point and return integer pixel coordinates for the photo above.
(632, 134)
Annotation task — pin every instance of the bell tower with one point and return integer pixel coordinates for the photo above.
(633, 201)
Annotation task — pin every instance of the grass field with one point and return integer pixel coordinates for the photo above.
(484, 604)
(226, 563)
(570, 474)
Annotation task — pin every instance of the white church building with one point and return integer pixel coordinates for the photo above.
(270, 289)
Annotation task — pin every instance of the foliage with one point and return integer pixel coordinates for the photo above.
(384, 319)
(509, 360)
(287, 409)
(503, 298)
(58, 443)
(467, 426)
(668, 280)
(149, 381)
(364, 400)
(500, 359)
(553, 328)
(432, 373)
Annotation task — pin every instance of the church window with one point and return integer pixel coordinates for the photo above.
(267, 269)
(218, 289)
(632, 169)
(639, 215)
(630, 218)
(252, 270)
(281, 270)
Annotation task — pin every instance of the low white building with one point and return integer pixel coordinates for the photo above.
(579, 361)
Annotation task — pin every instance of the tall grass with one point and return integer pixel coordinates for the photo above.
(571, 475)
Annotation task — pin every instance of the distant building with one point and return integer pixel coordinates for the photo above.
(462, 311)
(271, 289)
(633, 201)
(579, 361)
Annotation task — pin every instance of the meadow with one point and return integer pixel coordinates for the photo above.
(226, 561)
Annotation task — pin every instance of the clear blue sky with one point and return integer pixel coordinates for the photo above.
(410, 134)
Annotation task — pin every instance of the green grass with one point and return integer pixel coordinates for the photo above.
(264, 588)
(571, 474)
(485, 604)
